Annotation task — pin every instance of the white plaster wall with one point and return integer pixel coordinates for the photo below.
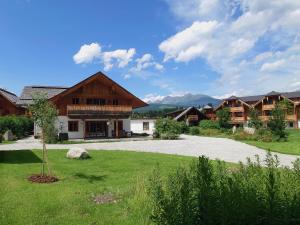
(137, 126)
(61, 125)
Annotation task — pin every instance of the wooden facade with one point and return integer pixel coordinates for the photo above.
(191, 116)
(8, 104)
(239, 107)
(93, 108)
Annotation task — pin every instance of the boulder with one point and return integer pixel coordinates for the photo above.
(77, 153)
(8, 136)
(249, 130)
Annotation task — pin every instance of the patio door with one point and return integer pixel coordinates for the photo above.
(120, 128)
(96, 129)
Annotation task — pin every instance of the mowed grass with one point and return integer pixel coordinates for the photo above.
(291, 146)
(70, 201)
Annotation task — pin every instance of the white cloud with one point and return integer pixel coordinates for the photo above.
(254, 45)
(145, 62)
(189, 43)
(87, 53)
(272, 66)
(119, 58)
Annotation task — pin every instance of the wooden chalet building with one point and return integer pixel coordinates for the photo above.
(96, 107)
(8, 104)
(191, 115)
(240, 107)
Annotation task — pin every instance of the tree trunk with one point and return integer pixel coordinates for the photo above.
(43, 154)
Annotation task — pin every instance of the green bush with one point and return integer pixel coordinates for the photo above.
(169, 136)
(209, 124)
(194, 131)
(213, 194)
(20, 126)
(166, 127)
(224, 117)
(184, 128)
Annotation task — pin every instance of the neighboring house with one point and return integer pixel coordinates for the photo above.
(209, 112)
(143, 126)
(191, 115)
(240, 107)
(96, 107)
(8, 105)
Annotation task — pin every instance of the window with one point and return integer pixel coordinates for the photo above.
(75, 101)
(268, 113)
(95, 101)
(291, 124)
(239, 114)
(145, 125)
(73, 126)
(115, 102)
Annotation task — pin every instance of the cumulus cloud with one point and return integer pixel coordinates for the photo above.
(120, 57)
(147, 61)
(252, 44)
(189, 43)
(87, 53)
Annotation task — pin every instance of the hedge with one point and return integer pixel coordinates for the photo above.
(20, 126)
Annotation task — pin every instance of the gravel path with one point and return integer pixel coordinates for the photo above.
(215, 148)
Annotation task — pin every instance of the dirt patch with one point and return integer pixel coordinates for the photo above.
(43, 179)
(105, 198)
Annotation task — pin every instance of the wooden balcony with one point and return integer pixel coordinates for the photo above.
(237, 109)
(264, 118)
(98, 110)
(237, 120)
(268, 107)
(193, 118)
(291, 117)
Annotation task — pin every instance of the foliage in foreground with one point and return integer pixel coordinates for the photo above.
(207, 194)
(20, 126)
(166, 128)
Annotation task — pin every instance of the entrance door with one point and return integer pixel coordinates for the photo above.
(95, 129)
(120, 128)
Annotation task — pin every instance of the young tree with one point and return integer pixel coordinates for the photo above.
(277, 122)
(255, 121)
(224, 118)
(44, 114)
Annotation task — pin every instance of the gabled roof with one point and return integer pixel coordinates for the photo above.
(29, 91)
(137, 103)
(185, 112)
(9, 95)
(294, 94)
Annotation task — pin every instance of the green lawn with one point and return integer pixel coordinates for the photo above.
(70, 201)
(7, 142)
(291, 146)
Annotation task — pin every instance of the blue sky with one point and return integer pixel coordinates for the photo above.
(153, 48)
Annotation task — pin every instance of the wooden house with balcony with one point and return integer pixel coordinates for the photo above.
(8, 104)
(96, 107)
(264, 104)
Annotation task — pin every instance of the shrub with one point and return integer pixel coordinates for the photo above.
(20, 126)
(184, 128)
(169, 136)
(166, 127)
(255, 121)
(194, 131)
(277, 123)
(209, 124)
(224, 118)
(209, 194)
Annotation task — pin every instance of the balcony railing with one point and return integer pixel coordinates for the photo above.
(264, 118)
(237, 109)
(291, 117)
(193, 118)
(268, 107)
(237, 119)
(98, 109)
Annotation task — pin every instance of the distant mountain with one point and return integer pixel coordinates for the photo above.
(188, 100)
(180, 101)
